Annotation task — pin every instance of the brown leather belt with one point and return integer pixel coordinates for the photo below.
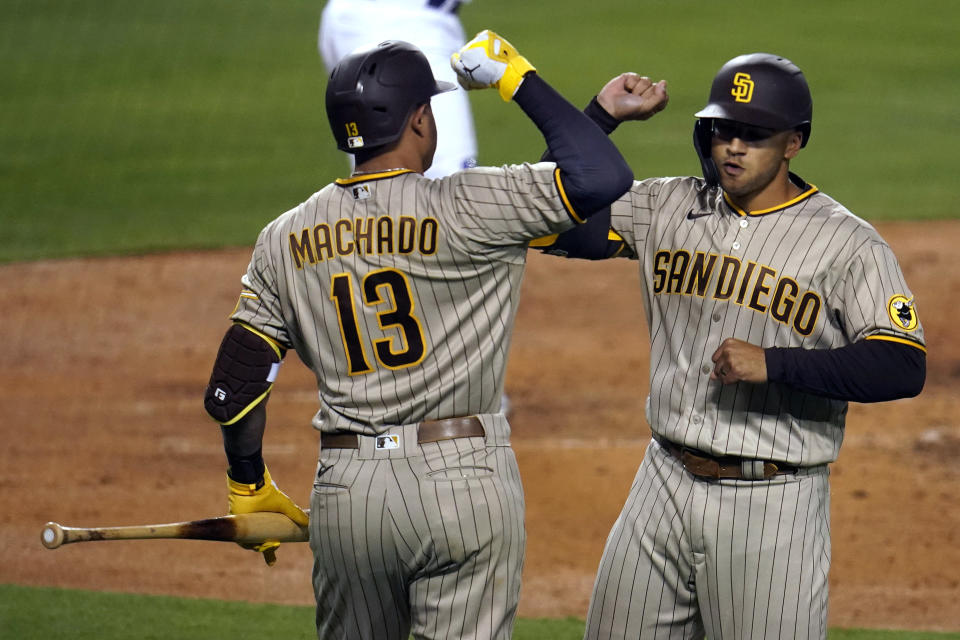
(427, 431)
(703, 465)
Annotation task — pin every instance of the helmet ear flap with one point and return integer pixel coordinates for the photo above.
(702, 142)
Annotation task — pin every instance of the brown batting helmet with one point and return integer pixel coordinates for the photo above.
(759, 89)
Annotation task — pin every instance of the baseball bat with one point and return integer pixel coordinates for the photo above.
(252, 528)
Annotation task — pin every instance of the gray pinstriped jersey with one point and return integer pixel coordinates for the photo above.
(400, 292)
(806, 274)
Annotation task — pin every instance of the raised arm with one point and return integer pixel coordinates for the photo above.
(628, 96)
(592, 172)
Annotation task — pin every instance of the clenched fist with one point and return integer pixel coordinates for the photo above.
(490, 61)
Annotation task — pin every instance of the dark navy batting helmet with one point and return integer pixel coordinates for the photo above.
(758, 89)
(371, 93)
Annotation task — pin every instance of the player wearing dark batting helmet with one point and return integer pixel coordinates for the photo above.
(399, 293)
(371, 93)
(782, 103)
(435, 28)
(769, 307)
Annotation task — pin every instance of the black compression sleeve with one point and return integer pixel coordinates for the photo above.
(243, 444)
(592, 171)
(246, 469)
(589, 241)
(599, 115)
(865, 371)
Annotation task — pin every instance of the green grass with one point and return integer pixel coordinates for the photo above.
(134, 125)
(40, 613)
(28, 613)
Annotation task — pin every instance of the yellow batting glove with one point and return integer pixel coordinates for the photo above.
(490, 61)
(254, 498)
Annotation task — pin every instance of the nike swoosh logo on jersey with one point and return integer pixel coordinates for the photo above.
(693, 216)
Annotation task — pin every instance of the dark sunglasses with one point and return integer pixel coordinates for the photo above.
(728, 130)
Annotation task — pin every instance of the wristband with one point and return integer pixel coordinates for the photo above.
(598, 114)
(247, 469)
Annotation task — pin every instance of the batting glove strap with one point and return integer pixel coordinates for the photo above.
(513, 76)
(247, 470)
(245, 489)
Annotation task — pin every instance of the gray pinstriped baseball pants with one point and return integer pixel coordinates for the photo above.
(423, 539)
(728, 559)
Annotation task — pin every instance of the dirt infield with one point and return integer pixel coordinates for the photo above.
(103, 424)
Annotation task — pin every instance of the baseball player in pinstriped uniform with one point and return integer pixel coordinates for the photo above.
(434, 27)
(769, 306)
(400, 292)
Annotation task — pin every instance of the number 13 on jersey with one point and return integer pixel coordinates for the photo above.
(386, 290)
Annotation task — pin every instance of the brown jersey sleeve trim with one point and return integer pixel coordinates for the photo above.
(563, 197)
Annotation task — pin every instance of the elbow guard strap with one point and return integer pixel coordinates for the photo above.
(246, 366)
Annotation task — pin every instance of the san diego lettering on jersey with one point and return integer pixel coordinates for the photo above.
(723, 277)
(381, 235)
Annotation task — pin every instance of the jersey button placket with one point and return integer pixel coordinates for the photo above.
(742, 225)
(731, 240)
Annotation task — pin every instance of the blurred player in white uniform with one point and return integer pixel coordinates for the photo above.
(433, 26)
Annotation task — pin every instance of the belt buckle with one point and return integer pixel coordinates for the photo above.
(757, 470)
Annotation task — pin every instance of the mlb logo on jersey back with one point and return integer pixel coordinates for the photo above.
(361, 192)
(388, 442)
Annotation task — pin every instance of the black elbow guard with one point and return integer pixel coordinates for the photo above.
(243, 374)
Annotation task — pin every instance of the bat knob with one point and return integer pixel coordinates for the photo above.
(52, 535)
